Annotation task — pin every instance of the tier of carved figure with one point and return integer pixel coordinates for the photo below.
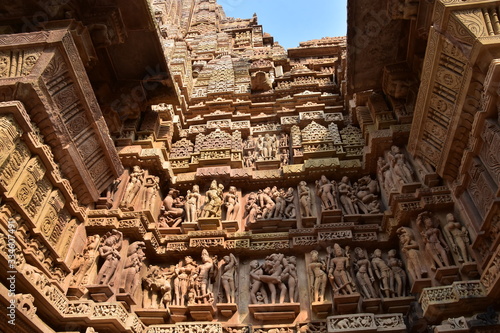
(271, 203)
(440, 247)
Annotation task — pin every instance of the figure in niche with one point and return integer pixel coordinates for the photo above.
(423, 168)
(326, 191)
(367, 190)
(204, 281)
(278, 197)
(112, 188)
(398, 273)
(252, 209)
(152, 186)
(249, 160)
(250, 143)
(232, 204)
(364, 274)
(258, 294)
(186, 273)
(149, 291)
(158, 282)
(284, 140)
(213, 201)
(110, 251)
(401, 170)
(409, 247)
(383, 272)
(133, 186)
(172, 210)
(305, 199)
(289, 275)
(166, 286)
(435, 245)
(193, 204)
(266, 203)
(289, 197)
(459, 238)
(228, 277)
(338, 272)
(385, 174)
(273, 268)
(84, 261)
(317, 277)
(132, 267)
(347, 196)
(284, 158)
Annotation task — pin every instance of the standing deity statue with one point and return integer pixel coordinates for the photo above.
(410, 249)
(317, 277)
(327, 192)
(228, 277)
(133, 263)
(205, 278)
(364, 274)
(338, 272)
(398, 273)
(435, 245)
(305, 199)
(383, 272)
(110, 251)
(232, 204)
(193, 204)
(213, 200)
(133, 186)
(186, 272)
(152, 186)
(84, 261)
(458, 237)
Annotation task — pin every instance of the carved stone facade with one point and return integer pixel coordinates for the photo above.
(167, 169)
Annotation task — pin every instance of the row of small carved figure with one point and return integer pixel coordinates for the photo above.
(271, 202)
(275, 280)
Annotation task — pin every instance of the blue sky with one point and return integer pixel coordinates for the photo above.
(293, 21)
